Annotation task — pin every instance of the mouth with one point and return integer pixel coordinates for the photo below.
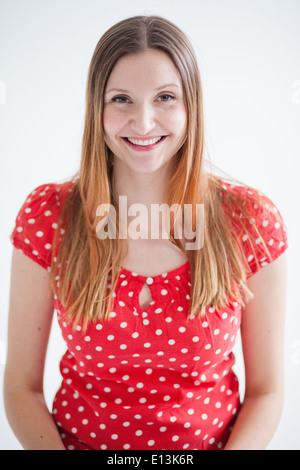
(145, 144)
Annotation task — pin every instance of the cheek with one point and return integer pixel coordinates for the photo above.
(113, 121)
(177, 120)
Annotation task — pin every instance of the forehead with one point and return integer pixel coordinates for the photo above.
(151, 66)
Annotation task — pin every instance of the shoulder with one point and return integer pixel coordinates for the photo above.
(258, 223)
(36, 221)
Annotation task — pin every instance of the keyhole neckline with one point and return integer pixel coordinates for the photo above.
(158, 277)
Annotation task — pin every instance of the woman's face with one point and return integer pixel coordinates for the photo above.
(145, 117)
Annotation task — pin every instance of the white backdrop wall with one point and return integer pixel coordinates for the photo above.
(248, 53)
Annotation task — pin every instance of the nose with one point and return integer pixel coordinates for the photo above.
(143, 119)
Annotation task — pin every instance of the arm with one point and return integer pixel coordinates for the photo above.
(262, 333)
(30, 317)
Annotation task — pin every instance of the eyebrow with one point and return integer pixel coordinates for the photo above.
(156, 89)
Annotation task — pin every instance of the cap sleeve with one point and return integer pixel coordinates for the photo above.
(36, 223)
(266, 217)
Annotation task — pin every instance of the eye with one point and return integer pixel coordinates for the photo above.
(120, 99)
(166, 97)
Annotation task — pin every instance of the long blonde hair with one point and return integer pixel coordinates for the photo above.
(84, 263)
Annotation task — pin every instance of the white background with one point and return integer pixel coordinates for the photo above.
(249, 59)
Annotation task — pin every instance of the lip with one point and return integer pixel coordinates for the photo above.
(142, 148)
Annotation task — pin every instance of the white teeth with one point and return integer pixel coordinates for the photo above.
(144, 143)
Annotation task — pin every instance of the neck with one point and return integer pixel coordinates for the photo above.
(142, 188)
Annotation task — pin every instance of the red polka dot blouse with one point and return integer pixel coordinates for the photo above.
(148, 378)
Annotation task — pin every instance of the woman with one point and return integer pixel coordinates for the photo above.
(149, 323)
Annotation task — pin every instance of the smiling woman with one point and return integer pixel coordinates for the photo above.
(149, 325)
(151, 118)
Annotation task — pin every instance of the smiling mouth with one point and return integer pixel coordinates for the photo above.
(144, 143)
